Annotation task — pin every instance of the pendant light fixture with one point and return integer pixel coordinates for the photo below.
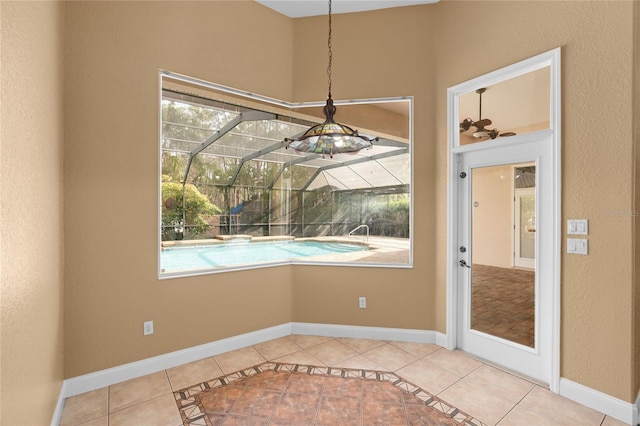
(330, 138)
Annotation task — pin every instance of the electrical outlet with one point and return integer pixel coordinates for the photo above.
(362, 302)
(148, 328)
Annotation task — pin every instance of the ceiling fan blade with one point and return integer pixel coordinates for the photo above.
(482, 123)
(505, 134)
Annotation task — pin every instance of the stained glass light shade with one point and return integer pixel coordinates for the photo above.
(330, 138)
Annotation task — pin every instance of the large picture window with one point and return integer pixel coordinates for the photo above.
(233, 196)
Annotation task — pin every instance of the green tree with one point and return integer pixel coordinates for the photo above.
(192, 212)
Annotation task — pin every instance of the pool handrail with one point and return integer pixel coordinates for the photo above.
(364, 225)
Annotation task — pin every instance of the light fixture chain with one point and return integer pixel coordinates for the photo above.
(330, 137)
(330, 52)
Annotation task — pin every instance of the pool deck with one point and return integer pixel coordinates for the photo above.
(382, 250)
(221, 239)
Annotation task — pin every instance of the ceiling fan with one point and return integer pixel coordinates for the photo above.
(480, 125)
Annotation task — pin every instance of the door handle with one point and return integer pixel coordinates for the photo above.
(464, 263)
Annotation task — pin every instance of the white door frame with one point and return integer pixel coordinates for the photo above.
(518, 260)
(549, 59)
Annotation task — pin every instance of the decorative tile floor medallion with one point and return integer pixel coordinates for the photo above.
(280, 394)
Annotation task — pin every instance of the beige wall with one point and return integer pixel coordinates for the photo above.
(375, 54)
(113, 53)
(596, 41)
(31, 232)
(112, 287)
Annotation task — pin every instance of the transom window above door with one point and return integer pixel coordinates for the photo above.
(508, 108)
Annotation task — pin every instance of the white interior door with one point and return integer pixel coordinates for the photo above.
(479, 259)
(524, 226)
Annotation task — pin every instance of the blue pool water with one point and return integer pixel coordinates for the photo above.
(174, 259)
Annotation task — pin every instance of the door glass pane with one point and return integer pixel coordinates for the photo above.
(502, 287)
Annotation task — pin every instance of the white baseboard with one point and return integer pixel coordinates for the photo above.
(636, 411)
(441, 339)
(620, 410)
(111, 376)
(613, 407)
(375, 333)
(57, 413)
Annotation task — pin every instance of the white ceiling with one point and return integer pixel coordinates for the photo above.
(301, 8)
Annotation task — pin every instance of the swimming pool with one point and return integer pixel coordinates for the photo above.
(175, 259)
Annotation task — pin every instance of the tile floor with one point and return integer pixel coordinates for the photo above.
(292, 394)
(488, 395)
(503, 303)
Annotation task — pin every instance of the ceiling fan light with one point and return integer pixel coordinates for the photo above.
(481, 134)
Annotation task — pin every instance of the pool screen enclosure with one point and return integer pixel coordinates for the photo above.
(226, 170)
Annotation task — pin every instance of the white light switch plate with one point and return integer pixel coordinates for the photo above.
(577, 246)
(578, 227)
